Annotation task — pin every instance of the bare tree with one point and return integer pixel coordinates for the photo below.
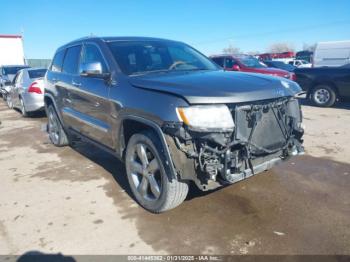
(253, 53)
(231, 50)
(309, 47)
(281, 47)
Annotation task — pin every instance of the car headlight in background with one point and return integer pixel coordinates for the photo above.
(206, 117)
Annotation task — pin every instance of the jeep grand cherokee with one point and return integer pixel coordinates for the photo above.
(170, 114)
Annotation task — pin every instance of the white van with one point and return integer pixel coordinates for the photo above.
(335, 53)
(11, 50)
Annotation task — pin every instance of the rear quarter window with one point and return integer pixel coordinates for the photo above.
(57, 62)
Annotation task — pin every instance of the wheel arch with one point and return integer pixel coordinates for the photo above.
(49, 100)
(323, 82)
(134, 124)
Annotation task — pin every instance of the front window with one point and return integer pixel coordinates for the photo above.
(251, 62)
(141, 57)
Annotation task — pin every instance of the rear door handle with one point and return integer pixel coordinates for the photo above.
(67, 100)
(76, 84)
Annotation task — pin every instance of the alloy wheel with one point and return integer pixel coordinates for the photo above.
(23, 109)
(145, 172)
(53, 128)
(9, 102)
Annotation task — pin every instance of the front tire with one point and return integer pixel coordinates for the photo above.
(56, 132)
(151, 185)
(323, 96)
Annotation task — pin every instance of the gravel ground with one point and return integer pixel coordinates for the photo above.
(77, 201)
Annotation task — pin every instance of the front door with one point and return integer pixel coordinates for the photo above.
(90, 98)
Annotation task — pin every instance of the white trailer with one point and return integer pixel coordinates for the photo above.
(335, 53)
(11, 50)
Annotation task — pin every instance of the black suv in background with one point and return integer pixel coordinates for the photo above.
(171, 114)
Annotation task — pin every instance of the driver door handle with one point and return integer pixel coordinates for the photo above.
(76, 84)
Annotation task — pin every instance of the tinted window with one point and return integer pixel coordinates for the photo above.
(139, 57)
(92, 54)
(71, 60)
(219, 61)
(15, 78)
(280, 65)
(12, 70)
(250, 61)
(37, 73)
(229, 62)
(58, 61)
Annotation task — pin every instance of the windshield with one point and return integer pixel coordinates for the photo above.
(141, 57)
(37, 73)
(250, 61)
(12, 70)
(281, 65)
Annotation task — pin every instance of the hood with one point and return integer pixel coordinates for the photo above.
(271, 70)
(205, 87)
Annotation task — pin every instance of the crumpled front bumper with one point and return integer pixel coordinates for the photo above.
(266, 133)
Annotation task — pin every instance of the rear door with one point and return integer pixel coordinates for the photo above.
(67, 86)
(90, 98)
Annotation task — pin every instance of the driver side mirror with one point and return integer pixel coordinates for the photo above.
(93, 69)
(236, 68)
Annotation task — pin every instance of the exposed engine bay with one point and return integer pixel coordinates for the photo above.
(265, 133)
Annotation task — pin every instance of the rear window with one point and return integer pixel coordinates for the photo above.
(38, 73)
(12, 70)
(57, 61)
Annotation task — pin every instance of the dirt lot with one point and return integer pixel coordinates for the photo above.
(77, 201)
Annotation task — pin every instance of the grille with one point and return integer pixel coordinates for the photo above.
(265, 126)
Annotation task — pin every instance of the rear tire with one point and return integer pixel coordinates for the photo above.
(323, 95)
(23, 108)
(151, 185)
(9, 102)
(56, 132)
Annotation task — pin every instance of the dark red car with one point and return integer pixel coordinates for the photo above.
(247, 63)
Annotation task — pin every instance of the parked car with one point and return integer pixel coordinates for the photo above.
(304, 55)
(7, 73)
(27, 91)
(325, 85)
(247, 63)
(269, 56)
(332, 54)
(300, 63)
(170, 114)
(280, 65)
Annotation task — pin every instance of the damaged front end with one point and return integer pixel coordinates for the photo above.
(264, 133)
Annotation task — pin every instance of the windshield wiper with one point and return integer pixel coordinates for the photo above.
(167, 71)
(150, 72)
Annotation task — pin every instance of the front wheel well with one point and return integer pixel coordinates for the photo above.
(131, 127)
(48, 101)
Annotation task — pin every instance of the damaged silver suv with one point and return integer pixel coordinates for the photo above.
(170, 114)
